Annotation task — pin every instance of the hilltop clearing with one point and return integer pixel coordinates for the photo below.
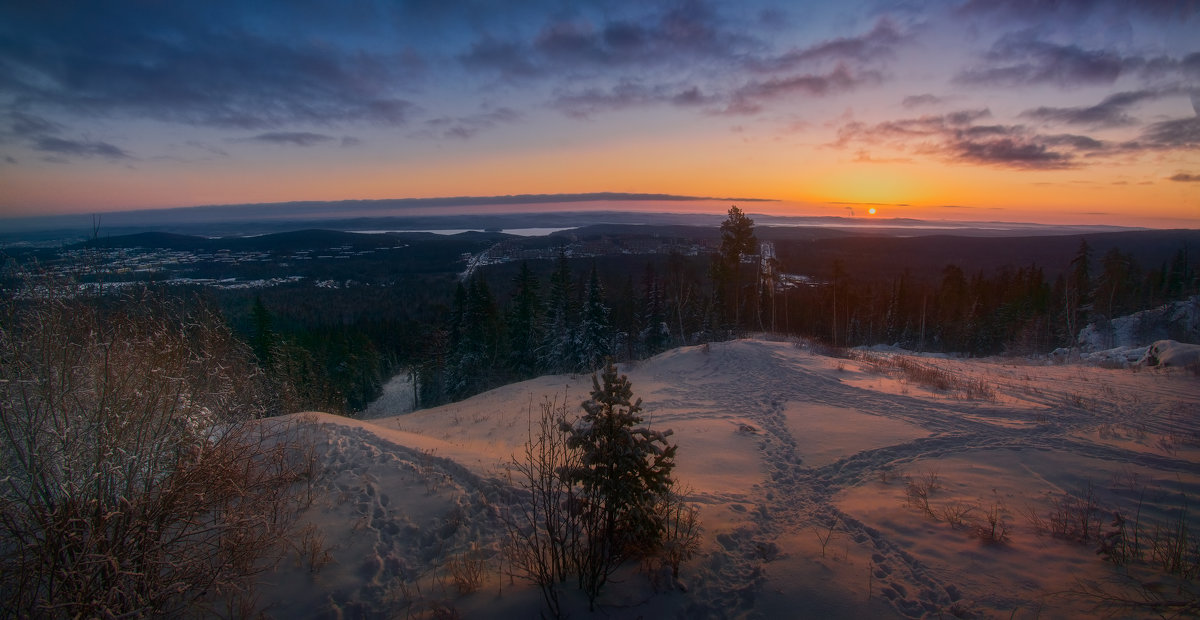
(872, 485)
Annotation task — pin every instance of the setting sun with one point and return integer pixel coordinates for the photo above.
(871, 210)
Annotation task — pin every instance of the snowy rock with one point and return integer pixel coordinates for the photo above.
(1178, 320)
(1171, 353)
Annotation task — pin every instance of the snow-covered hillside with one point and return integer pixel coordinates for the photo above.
(827, 487)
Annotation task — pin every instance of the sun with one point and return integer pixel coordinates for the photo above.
(871, 210)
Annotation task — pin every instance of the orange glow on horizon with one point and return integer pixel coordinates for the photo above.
(798, 184)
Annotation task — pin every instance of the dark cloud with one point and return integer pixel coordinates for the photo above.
(1183, 177)
(680, 34)
(1035, 11)
(690, 97)
(693, 25)
(1111, 112)
(41, 134)
(685, 35)
(625, 38)
(291, 138)
(194, 64)
(1181, 133)
(80, 148)
(1011, 153)
(510, 59)
(31, 126)
(902, 130)
(624, 94)
(1076, 142)
(574, 41)
(464, 127)
(1020, 59)
(880, 42)
(749, 98)
(958, 137)
(1191, 65)
(209, 148)
(914, 101)
(350, 141)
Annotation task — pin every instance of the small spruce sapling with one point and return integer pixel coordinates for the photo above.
(624, 471)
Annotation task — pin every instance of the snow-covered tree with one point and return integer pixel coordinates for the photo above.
(557, 350)
(654, 335)
(524, 328)
(595, 332)
(478, 340)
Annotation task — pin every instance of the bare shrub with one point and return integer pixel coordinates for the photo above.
(993, 528)
(311, 549)
(1160, 565)
(825, 534)
(1130, 596)
(918, 491)
(1175, 550)
(1074, 517)
(956, 514)
(681, 529)
(543, 524)
(929, 376)
(133, 479)
(466, 569)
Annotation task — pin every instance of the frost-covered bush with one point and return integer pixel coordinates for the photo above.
(134, 477)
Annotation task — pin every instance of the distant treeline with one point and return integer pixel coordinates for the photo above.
(573, 319)
(514, 321)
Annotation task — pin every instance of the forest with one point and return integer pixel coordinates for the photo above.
(367, 307)
(514, 321)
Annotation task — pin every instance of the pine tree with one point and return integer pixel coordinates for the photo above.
(624, 472)
(737, 240)
(595, 333)
(478, 345)
(1079, 291)
(556, 353)
(263, 340)
(524, 328)
(654, 334)
(626, 321)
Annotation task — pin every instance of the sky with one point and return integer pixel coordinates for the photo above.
(1055, 111)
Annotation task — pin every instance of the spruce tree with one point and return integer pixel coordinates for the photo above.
(556, 353)
(624, 472)
(263, 340)
(654, 334)
(524, 330)
(737, 240)
(478, 344)
(595, 332)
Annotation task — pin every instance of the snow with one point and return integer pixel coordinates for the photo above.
(1171, 353)
(800, 466)
(1178, 320)
(399, 396)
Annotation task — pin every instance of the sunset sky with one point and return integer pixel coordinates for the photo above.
(1062, 111)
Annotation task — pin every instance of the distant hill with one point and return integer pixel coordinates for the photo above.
(280, 242)
(863, 255)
